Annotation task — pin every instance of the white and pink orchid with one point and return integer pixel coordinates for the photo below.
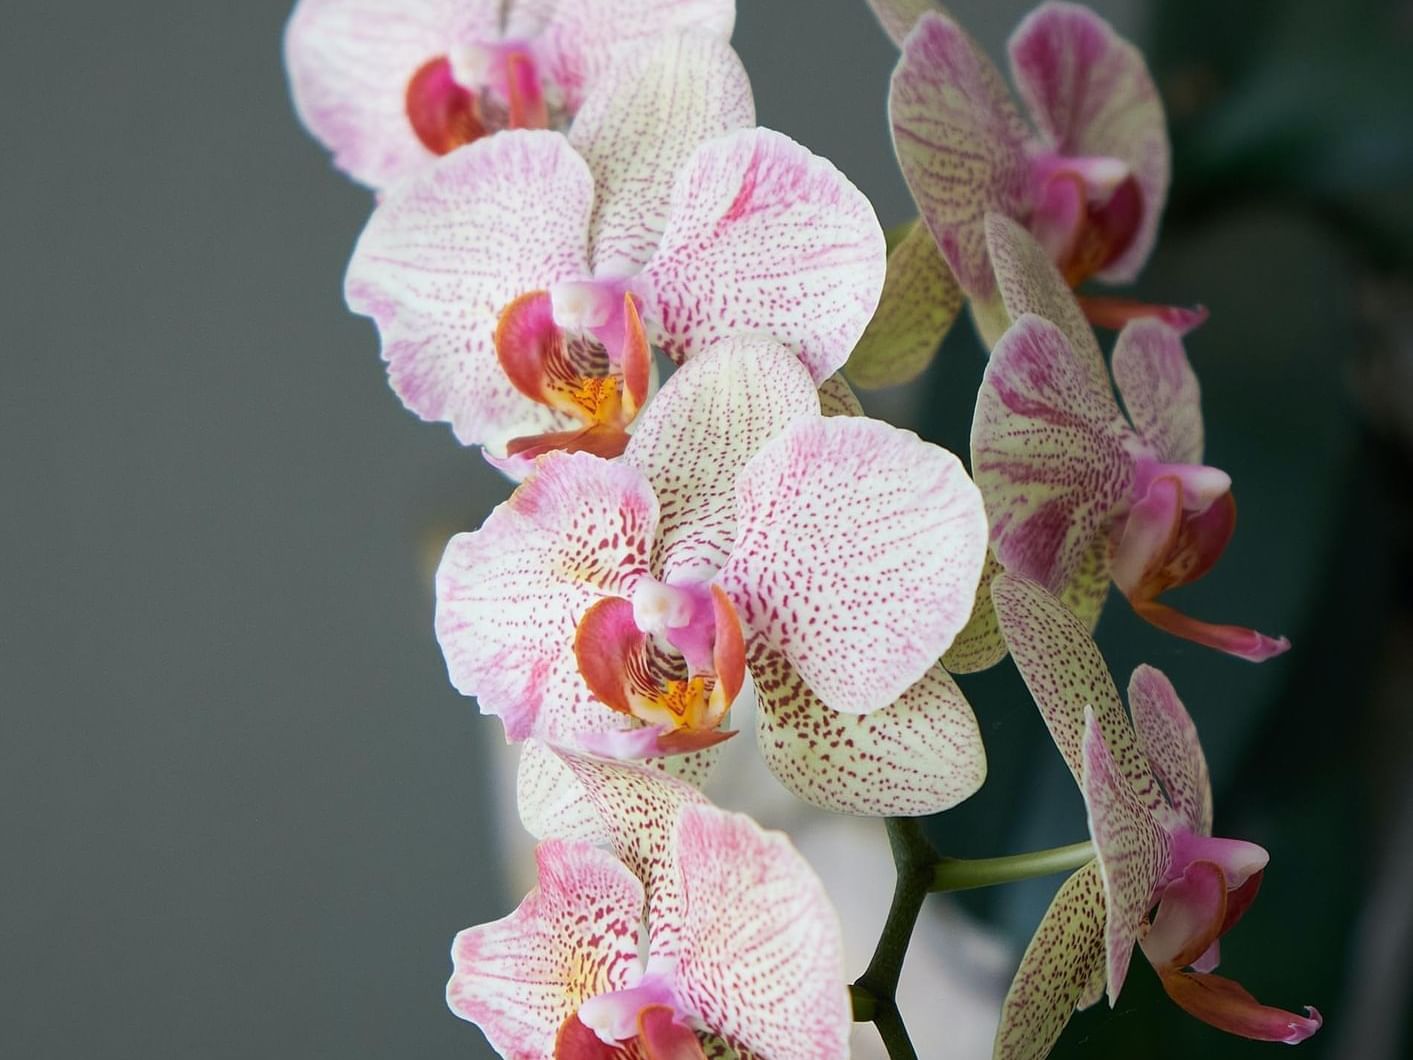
(621, 605)
(1149, 801)
(697, 935)
(1076, 492)
(389, 85)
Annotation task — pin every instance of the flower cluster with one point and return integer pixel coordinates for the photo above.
(573, 198)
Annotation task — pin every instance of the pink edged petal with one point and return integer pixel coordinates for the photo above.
(1050, 451)
(645, 117)
(573, 937)
(552, 802)
(920, 301)
(1133, 852)
(979, 646)
(837, 398)
(897, 17)
(694, 438)
(1168, 739)
(1090, 93)
(921, 755)
(857, 555)
(349, 65)
(960, 143)
(764, 238)
(762, 959)
(510, 595)
(1159, 390)
(1054, 977)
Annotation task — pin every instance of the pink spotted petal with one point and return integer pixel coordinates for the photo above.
(1160, 390)
(1054, 977)
(573, 937)
(349, 64)
(645, 117)
(960, 143)
(1133, 852)
(446, 251)
(1050, 451)
(979, 645)
(898, 17)
(692, 441)
(857, 554)
(1090, 93)
(918, 756)
(764, 237)
(762, 957)
(1168, 738)
(551, 801)
(510, 595)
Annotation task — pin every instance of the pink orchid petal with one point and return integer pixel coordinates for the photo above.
(897, 17)
(665, 1037)
(510, 595)
(920, 755)
(979, 646)
(1239, 641)
(960, 143)
(1168, 739)
(692, 441)
(446, 251)
(1054, 976)
(857, 554)
(1059, 216)
(920, 301)
(764, 238)
(1189, 918)
(1228, 1006)
(1090, 94)
(573, 937)
(645, 117)
(762, 956)
(349, 64)
(551, 801)
(1115, 313)
(1133, 851)
(1050, 452)
(1237, 859)
(837, 398)
(1159, 390)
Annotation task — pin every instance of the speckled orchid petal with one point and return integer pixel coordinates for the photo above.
(897, 17)
(1090, 93)
(1159, 390)
(692, 441)
(552, 802)
(446, 251)
(837, 398)
(764, 238)
(575, 936)
(1168, 739)
(919, 302)
(645, 117)
(1133, 852)
(510, 595)
(960, 143)
(1064, 956)
(979, 646)
(350, 63)
(1050, 452)
(921, 755)
(1088, 588)
(762, 955)
(857, 555)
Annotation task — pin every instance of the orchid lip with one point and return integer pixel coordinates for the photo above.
(614, 1016)
(1201, 484)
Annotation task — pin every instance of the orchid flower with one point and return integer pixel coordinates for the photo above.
(700, 934)
(1078, 493)
(622, 605)
(517, 285)
(1149, 802)
(389, 85)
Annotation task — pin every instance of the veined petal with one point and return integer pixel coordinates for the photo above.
(573, 937)
(1090, 93)
(762, 958)
(446, 251)
(510, 595)
(857, 554)
(349, 64)
(1160, 390)
(764, 237)
(919, 302)
(647, 114)
(837, 398)
(1050, 451)
(1133, 852)
(694, 438)
(1168, 739)
(960, 143)
(979, 646)
(1063, 957)
(921, 755)
(899, 16)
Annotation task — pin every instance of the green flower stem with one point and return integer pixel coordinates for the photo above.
(963, 874)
